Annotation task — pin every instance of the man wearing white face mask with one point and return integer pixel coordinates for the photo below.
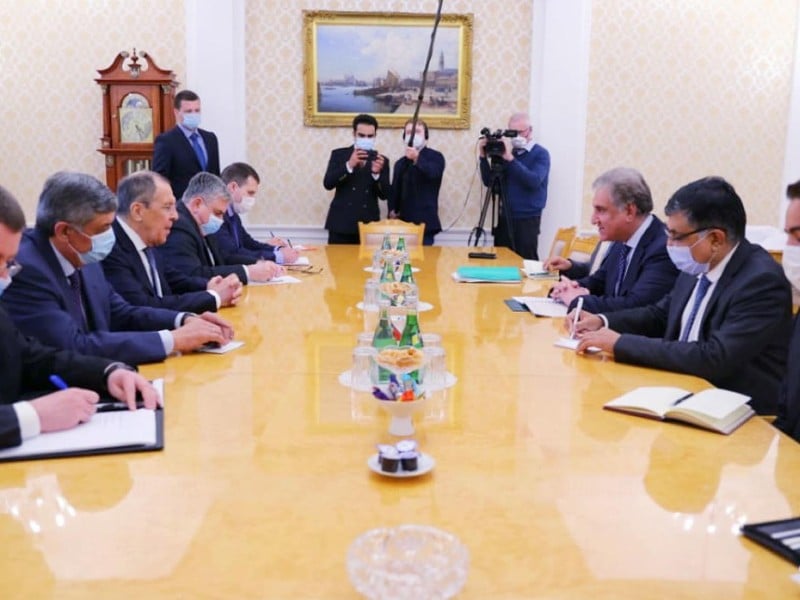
(184, 150)
(62, 297)
(524, 175)
(788, 419)
(235, 244)
(416, 181)
(360, 176)
(728, 317)
(791, 251)
(191, 246)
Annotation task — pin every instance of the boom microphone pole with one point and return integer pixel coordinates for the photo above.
(425, 74)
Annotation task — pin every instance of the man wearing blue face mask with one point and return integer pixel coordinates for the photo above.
(62, 297)
(26, 365)
(728, 317)
(191, 247)
(185, 149)
(360, 176)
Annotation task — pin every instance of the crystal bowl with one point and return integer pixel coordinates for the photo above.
(408, 562)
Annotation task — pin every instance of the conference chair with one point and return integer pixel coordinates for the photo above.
(562, 241)
(372, 233)
(582, 247)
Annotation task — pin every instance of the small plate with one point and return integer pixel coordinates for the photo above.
(425, 464)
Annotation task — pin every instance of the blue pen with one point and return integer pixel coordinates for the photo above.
(58, 382)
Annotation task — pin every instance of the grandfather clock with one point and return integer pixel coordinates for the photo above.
(137, 106)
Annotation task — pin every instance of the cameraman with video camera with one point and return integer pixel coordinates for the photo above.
(512, 161)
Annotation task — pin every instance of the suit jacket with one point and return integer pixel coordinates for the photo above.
(25, 366)
(185, 250)
(174, 158)
(357, 193)
(744, 334)
(237, 246)
(126, 274)
(38, 302)
(648, 278)
(415, 189)
(788, 419)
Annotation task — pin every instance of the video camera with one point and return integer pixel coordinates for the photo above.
(495, 148)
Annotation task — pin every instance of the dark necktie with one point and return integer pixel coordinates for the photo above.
(151, 261)
(76, 300)
(235, 224)
(198, 150)
(210, 253)
(621, 265)
(702, 287)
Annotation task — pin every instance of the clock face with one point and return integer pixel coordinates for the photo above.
(135, 120)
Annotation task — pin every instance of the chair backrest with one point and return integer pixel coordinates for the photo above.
(371, 234)
(581, 248)
(562, 241)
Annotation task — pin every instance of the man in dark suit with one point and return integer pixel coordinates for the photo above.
(235, 244)
(360, 175)
(144, 218)
(416, 181)
(185, 149)
(26, 365)
(788, 419)
(636, 270)
(63, 298)
(191, 247)
(728, 317)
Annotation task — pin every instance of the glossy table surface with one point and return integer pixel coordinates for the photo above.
(263, 483)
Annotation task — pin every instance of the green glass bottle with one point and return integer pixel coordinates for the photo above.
(401, 244)
(383, 337)
(387, 242)
(408, 274)
(411, 333)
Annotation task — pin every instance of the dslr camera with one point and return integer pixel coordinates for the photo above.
(372, 155)
(495, 148)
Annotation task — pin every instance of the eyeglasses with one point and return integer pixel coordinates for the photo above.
(679, 237)
(12, 268)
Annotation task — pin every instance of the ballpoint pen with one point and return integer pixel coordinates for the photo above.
(576, 317)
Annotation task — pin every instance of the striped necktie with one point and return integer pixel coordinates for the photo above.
(702, 287)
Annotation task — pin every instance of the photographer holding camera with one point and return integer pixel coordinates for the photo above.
(360, 175)
(521, 167)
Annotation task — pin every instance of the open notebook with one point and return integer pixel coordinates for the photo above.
(715, 409)
(106, 433)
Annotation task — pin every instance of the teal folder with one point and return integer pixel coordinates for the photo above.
(491, 274)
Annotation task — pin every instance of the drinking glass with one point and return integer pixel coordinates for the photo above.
(436, 369)
(361, 373)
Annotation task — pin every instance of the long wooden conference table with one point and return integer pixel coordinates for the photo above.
(263, 483)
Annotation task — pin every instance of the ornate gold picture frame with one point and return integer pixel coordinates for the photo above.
(373, 62)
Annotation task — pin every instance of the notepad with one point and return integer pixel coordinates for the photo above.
(543, 307)
(501, 274)
(534, 269)
(277, 281)
(301, 261)
(211, 349)
(715, 409)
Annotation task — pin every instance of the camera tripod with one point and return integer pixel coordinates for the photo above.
(495, 195)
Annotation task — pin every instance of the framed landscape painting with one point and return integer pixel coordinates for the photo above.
(373, 63)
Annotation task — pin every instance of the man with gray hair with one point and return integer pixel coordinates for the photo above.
(26, 365)
(146, 212)
(62, 297)
(636, 270)
(522, 172)
(191, 247)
